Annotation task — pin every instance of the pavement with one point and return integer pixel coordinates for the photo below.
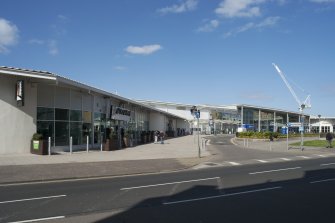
(175, 154)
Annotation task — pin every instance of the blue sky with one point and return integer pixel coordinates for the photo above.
(189, 51)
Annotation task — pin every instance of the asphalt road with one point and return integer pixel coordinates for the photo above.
(288, 191)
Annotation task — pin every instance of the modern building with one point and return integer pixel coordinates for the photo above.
(322, 124)
(66, 110)
(72, 113)
(233, 118)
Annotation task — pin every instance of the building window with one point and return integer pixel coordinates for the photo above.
(45, 113)
(62, 133)
(61, 114)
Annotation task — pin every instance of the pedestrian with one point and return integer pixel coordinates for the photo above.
(329, 138)
(156, 136)
(162, 137)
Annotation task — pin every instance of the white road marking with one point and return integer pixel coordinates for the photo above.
(234, 163)
(322, 155)
(39, 219)
(304, 157)
(31, 199)
(269, 171)
(223, 195)
(320, 181)
(263, 161)
(177, 182)
(327, 164)
(286, 159)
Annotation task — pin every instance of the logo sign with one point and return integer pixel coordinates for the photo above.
(121, 114)
(19, 96)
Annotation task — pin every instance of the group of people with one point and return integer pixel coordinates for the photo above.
(159, 135)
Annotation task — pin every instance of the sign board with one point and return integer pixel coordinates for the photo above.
(19, 96)
(248, 126)
(197, 114)
(301, 129)
(120, 114)
(294, 124)
(284, 130)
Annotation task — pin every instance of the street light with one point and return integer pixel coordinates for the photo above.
(319, 127)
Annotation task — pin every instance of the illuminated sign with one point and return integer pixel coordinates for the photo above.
(19, 93)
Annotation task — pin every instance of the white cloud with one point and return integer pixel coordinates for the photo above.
(268, 22)
(184, 6)
(9, 35)
(322, 1)
(239, 8)
(53, 49)
(120, 68)
(210, 26)
(144, 50)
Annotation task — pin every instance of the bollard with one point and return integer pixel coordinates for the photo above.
(247, 143)
(87, 139)
(71, 145)
(270, 145)
(243, 142)
(49, 146)
(101, 142)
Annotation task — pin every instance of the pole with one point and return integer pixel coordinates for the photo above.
(199, 153)
(87, 139)
(49, 146)
(287, 137)
(101, 142)
(71, 145)
(302, 132)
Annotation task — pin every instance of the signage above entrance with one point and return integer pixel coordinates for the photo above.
(121, 114)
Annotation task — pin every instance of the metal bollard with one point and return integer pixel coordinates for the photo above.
(101, 142)
(243, 142)
(49, 146)
(270, 145)
(87, 139)
(71, 145)
(247, 143)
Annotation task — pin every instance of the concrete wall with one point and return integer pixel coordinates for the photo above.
(157, 121)
(17, 124)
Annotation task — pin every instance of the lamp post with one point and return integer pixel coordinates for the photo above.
(196, 114)
(319, 126)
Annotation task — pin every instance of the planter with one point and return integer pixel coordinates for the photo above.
(126, 141)
(111, 144)
(39, 147)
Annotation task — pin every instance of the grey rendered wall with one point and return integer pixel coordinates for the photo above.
(156, 121)
(17, 124)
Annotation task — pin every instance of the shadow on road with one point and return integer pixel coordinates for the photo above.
(299, 200)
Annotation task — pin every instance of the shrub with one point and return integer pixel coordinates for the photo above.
(37, 136)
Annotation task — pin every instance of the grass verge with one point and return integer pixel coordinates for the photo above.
(312, 143)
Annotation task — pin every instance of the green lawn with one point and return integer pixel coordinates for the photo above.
(314, 143)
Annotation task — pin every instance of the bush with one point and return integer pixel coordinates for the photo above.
(37, 136)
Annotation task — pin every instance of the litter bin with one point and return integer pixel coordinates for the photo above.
(39, 147)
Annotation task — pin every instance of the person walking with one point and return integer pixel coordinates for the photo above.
(329, 138)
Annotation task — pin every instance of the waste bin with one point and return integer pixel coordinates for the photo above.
(39, 147)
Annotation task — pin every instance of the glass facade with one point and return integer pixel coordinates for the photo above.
(270, 120)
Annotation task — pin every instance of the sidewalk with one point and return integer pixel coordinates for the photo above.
(174, 154)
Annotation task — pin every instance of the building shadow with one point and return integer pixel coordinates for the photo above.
(310, 198)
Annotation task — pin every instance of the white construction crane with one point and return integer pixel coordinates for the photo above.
(302, 106)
